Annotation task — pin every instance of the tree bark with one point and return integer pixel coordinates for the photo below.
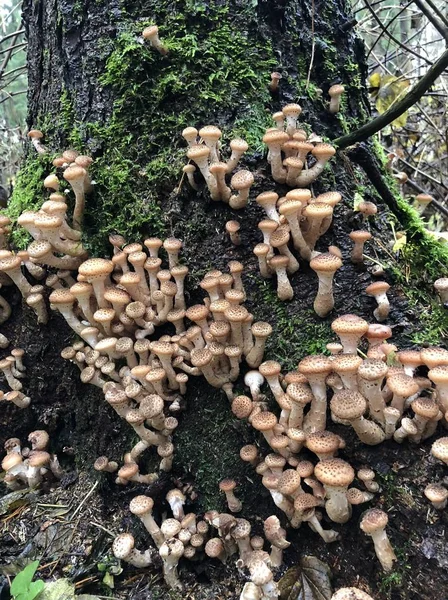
(95, 86)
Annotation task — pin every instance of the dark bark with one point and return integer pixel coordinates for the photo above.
(81, 98)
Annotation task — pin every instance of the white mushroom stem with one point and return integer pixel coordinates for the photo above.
(337, 506)
(324, 301)
(328, 535)
(171, 551)
(367, 431)
(383, 549)
(381, 313)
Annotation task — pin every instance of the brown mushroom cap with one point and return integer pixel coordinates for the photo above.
(350, 324)
(372, 369)
(325, 262)
(425, 407)
(439, 449)
(299, 392)
(305, 502)
(346, 363)
(141, 505)
(402, 384)
(264, 421)
(436, 492)
(227, 485)
(360, 235)
(373, 520)
(434, 356)
(242, 180)
(351, 594)
(315, 364)
(334, 472)
(242, 406)
(377, 287)
(348, 404)
(322, 442)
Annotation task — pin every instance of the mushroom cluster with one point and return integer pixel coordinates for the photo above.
(29, 467)
(290, 148)
(188, 536)
(204, 150)
(14, 370)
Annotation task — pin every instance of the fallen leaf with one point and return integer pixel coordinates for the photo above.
(309, 580)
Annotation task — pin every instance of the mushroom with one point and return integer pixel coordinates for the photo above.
(439, 449)
(35, 136)
(316, 368)
(304, 506)
(335, 93)
(437, 495)
(284, 289)
(350, 405)
(171, 551)
(336, 475)
(152, 35)
(233, 229)
(325, 266)
(141, 507)
(359, 238)
(227, 486)
(241, 182)
(275, 78)
(322, 153)
(214, 548)
(378, 290)
(441, 286)
(350, 329)
(123, 549)
(374, 524)
(371, 374)
(238, 147)
(350, 594)
(276, 535)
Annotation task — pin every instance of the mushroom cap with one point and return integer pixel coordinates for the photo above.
(35, 134)
(219, 328)
(267, 225)
(242, 180)
(270, 368)
(292, 161)
(348, 404)
(261, 250)
(210, 132)
(95, 267)
(350, 594)
(295, 434)
(280, 237)
(336, 90)
(368, 208)
(373, 520)
(227, 485)
(424, 198)
(318, 210)
(290, 207)
(300, 392)
(326, 262)
(123, 545)
(214, 547)
(128, 470)
(74, 172)
(248, 453)
(334, 472)
(239, 145)
(232, 226)
(350, 324)
(294, 377)
(425, 407)
(372, 368)
(346, 363)
(267, 199)
(330, 198)
(441, 285)
(377, 287)
(315, 364)
(264, 421)
(355, 496)
(289, 481)
(38, 458)
(305, 502)
(150, 32)
(324, 442)
(197, 312)
(439, 375)
(198, 151)
(292, 110)
(242, 407)
(261, 329)
(323, 151)
(360, 235)
(439, 449)
(434, 356)
(305, 468)
(279, 262)
(436, 492)
(403, 385)
(62, 296)
(141, 505)
(11, 460)
(10, 263)
(170, 528)
(236, 313)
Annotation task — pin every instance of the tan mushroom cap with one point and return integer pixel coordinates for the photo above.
(348, 404)
(249, 453)
(275, 461)
(360, 235)
(294, 377)
(275, 137)
(267, 199)
(439, 375)
(368, 208)
(270, 368)
(198, 151)
(323, 151)
(402, 384)
(305, 468)
(326, 262)
(377, 287)
(128, 470)
(227, 485)
(95, 267)
(239, 145)
(197, 312)
(201, 358)
(439, 449)
(315, 364)
(346, 363)
(232, 226)
(300, 392)
(38, 458)
(62, 296)
(355, 496)
(373, 520)
(74, 172)
(441, 285)
(170, 528)
(372, 368)
(236, 313)
(305, 502)
(330, 198)
(334, 472)
(434, 356)
(292, 110)
(350, 324)
(261, 250)
(425, 407)
(424, 199)
(261, 329)
(264, 421)
(9, 263)
(123, 545)
(318, 210)
(214, 547)
(279, 262)
(267, 225)
(279, 237)
(242, 180)
(141, 505)
(436, 492)
(322, 442)
(336, 90)
(242, 406)
(210, 132)
(351, 594)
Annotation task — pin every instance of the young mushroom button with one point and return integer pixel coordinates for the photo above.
(325, 265)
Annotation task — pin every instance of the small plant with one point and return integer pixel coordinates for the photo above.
(23, 587)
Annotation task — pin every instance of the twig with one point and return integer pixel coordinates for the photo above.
(84, 500)
(433, 14)
(11, 48)
(398, 108)
(313, 46)
(388, 26)
(435, 203)
(430, 177)
(9, 96)
(8, 54)
(10, 35)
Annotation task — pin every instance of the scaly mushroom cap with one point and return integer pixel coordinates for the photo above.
(441, 285)
(264, 421)
(325, 262)
(62, 296)
(214, 548)
(74, 172)
(123, 545)
(38, 458)
(10, 263)
(315, 364)
(305, 468)
(323, 151)
(270, 368)
(239, 145)
(372, 369)
(170, 528)
(261, 329)
(227, 485)
(232, 226)
(322, 442)
(141, 505)
(439, 449)
(249, 453)
(201, 358)
(242, 406)
(330, 198)
(439, 375)
(434, 356)
(236, 313)
(436, 492)
(95, 268)
(377, 287)
(210, 132)
(275, 461)
(402, 384)
(360, 235)
(128, 470)
(242, 180)
(299, 392)
(355, 496)
(279, 237)
(334, 472)
(11, 460)
(348, 405)
(275, 137)
(197, 312)
(351, 594)
(425, 407)
(289, 481)
(292, 110)
(350, 324)
(318, 210)
(198, 151)
(374, 520)
(346, 363)
(268, 225)
(305, 502)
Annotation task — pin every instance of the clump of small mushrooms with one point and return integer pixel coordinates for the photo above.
(220, 536)
(14, 371)
(27, 467)
(205, 152)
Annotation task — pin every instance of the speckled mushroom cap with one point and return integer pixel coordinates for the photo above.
(151, 406)
(330, 198)
(360, 235)
(325, 262)
(296, 435)
(425, 407)
(305, 502)
(436, 492)
(197, 312)
(242, 406)
(372, 369)
(348, 405)
(439, 449)
(269, 198)
(268, 225)
(123, 545)
(346, 363)
(377, 287)
(292, 110)
(322, 442)
(214, 547)
(198, 151)
(128, 470)
(351, 594)
(355, 496)
(170, 528)
(318, 210)
(334, 472)
(95, 268)
(373, 520)
(350, 324)
(279, 261)
(294, 377)
(439, 375)
(289, 481)
(62, 297)
(242, 180)
(261, 329)
(300, 393)
(249, 453)
(305, 468)
(219, 328)
(236, 313)
(141, 505)
(434, 356)
(402, 385)
(270, 480)
(279, 237)
(290, 207)
(38, 458)
(275, 461)
(315, 364)
(270, 368)
(201, 357)
(227, 485)
(242, 529)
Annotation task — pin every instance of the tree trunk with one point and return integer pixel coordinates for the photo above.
(96, 87)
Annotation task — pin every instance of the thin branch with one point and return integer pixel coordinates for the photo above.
(9, 96)
(423, 174)
(313, 46)
(430, 14)
(398, 108)
(388, 25)
(8, 54)
(10, 35)
(11, 48)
